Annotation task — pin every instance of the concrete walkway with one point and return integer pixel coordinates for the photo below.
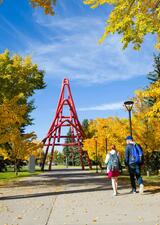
(75, 197)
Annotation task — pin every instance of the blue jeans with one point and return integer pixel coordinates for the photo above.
(135, 172)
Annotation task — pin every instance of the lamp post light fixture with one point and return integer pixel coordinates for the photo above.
(129, 106)
(95, 138)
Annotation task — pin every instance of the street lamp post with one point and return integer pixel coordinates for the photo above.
(129, 106)
(95, 138)
(106, 144)
(106, 141)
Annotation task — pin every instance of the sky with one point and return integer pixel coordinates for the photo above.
(102, 76)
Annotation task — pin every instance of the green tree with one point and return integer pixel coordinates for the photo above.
(85, 125)
(71, 153)
(155, 74)
(58, 157)
(153, 77)
(66, 149)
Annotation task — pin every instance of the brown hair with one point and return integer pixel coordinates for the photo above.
(113, 147)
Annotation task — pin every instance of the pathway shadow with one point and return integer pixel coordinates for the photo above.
(75, 179)
(61, 178)
(44, 194)
(152, 191)
(80, 182)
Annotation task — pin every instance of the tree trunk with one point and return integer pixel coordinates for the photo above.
(16, 167)
(148, 173)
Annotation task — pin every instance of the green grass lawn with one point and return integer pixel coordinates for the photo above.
(12, 175)
(152, 180)
(9, 175)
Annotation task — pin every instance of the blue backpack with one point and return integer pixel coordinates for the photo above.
(136, 155)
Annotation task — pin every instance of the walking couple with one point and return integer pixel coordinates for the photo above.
(134, 158)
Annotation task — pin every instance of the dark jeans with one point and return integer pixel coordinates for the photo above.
(135, 172)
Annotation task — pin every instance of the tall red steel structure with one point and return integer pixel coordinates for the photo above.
(54, 135)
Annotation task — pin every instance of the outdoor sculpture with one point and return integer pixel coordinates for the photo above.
(55, 136)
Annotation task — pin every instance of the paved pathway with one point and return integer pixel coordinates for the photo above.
(73, 197)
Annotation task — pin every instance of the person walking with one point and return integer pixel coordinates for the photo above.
(134, 159)
(113, 167)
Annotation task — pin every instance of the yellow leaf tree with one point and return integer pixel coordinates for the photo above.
(146, 126)
(132, 19)
(153, 92)
(13, 144)
(107, 132)
(47, 5)
(145, 131)
(146, 117)
(18, 76)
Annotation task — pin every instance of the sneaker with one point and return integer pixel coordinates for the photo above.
(141, 188)
(132, 192)
(114, 194)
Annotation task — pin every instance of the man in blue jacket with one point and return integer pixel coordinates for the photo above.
(134, 168)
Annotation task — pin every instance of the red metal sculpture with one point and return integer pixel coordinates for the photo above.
(55, 136)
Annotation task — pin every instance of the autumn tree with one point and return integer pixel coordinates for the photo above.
(19, 79)
(146, 129)
(14, 145)
(132, 19)
(19, 76)
(149, 97)
(47, 5)
(108, 131)
(153, 92)
(146, 117)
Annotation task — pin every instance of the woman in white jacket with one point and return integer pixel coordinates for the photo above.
(113, 166)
